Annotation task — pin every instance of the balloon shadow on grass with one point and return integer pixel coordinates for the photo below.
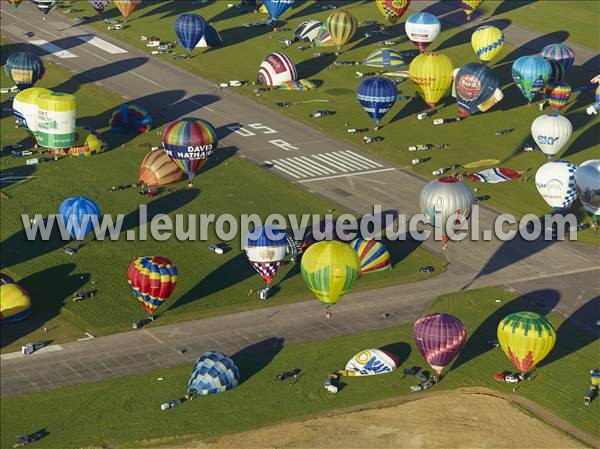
(315, 8)
(16, 175)
(442, 7)
(412, 107)
(311, 67)
(236, 35)
(510, 5)
(254, 358)
(586, 139)
(535, 45)
(540, 301)
(464, 36)
(400, 350)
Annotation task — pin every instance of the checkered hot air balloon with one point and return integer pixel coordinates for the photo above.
(374, 256)
(555, 182)
(152, 279)
(99, 5)
(392, 10)
(266, 248)
(439, 337)
(212, 373)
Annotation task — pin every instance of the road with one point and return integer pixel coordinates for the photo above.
(341, 173)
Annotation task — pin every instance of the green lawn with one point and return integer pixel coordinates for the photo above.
(125, 411)
(470, 141)
(207, 285)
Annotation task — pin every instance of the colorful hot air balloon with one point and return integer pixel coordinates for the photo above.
(587, 183)
(432, 73)
(131, 118)
(189, 29)
(392, 10)
(444, 201)
(56, 120)
(531, 73)
(422, 28)
(370, 362)
(276, 8)
(561, 53)
(526, 338)
(307, 31)
(469, 6)
(330, 269)
(88, 143)
(25, 108)
(15, 304)
(126, 7)
(341, 26)
(385, 58)
(212, 373)
(323, 38)
(276, 69)
(15, 3)
(158, 169)
(558, 95)
(487, 42)
(476, 88)
(24, 69)
(77, 215)
(373, 255)
(555, 182)
(439, 338)
(377, 96)
(190, 142)
(45, 6)
(99, 5)
(551, 132)
(266, 248)
(152, 279)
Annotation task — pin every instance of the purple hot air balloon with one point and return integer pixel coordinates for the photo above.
(439, 337)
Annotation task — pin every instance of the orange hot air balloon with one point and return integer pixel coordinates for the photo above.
(158, 169)
(127, 6)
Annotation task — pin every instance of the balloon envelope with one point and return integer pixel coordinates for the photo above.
(24, 69)
(439, 337)
(158, 169)
(469, 6)
(371, 362)
(531, 73)
(26, 109)
(131, 118)
(487, 42)
(422, 28)
(99, 5)
(341, 26)
(266, 248)
(555, 182)
(15, 3)
(152, 279)
(432, 73)
(587, 183)
(373, 255)
(77, 213)
(126, 7)
(392, 10)
(377, 96)
(15, 304)
(276, 69)
(189, 29)
(476, 88)
(276, 8)
(308, 31)
(385, 58)
(213, 373)
(561, 53)
(45, 6)
(551, 132)
(558, 94)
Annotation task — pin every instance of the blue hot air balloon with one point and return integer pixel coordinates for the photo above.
(189, 29)
(559, 52)
(212, 373)
(24, 69)
(277, 7)
(266, 248)
(377, 96)
(531, 73)
(476, 88)
(77, 213)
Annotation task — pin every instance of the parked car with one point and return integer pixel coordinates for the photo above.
(422, 376)
(288, 374)
(427, 269)
(512, 378)
(28, 34)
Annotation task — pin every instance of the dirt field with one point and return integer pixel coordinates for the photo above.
(446, 420)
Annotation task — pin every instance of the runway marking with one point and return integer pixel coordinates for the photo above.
(144, 78)
(52, 49)
(349, 174)
(101, 44)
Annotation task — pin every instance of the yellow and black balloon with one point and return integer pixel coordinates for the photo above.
(15, 304)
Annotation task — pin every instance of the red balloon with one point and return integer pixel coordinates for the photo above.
(152, 279)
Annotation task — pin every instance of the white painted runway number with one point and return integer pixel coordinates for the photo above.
(238, 129)
(283, 145)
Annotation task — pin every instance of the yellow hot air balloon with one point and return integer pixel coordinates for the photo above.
(15, 304)
(526, 338)
(330, 269)
(341, 26)
(392, 10)
(432, 73)
(469, 6)
(487, 42)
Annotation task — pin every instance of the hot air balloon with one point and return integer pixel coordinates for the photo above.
(531, 73)
(551, 132)
(276, 8)
(476, 88)
(15, 3)
(25, 108)
(152, 279)
(190, 142)
(374, 256)
(439, 337)
(432, 73)
(377, 96)
(77, 214)
(444, 201)
(558, 95)
(307, 31)
(276, 69)
(56, 120)
(330, 269)
(422, 28)
(555, 182)
(126, 7)
(587, 183)
(189, 29)
(15, 304)
(341, 26)
(561, 53)
(370, 362)
(158, 169)
(266, 248)
(469, 6)
(385, 58)
(526, 338)
(99, 5)
(131, 118)
(212, 373)
(392, 10)
(88, 142)
(487, 42)
(24, 69)
(323, 38)
(45, 6)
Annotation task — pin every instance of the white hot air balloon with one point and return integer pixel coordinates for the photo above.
(276, 69)
(551, 132)
(555, 182)
(587, 183)
(444, 198)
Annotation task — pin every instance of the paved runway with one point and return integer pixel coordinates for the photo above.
(304, 156)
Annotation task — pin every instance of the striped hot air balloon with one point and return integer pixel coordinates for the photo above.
(469, 6)
(341, 26)
(276, 8)
(45, 6)
(385, 58)
(526, 338)
(152, 279)
(307, 31)
(422, 28)
(276, 69)
(531, 73)
(212, 373)
(189, 29)
(392, 10)
(374, 256)
(158, 169)
(126, 7)
(558, 94)
(439, 338)
(487, 42)
(377, 96)
(559, 52)
(24, 69)
(15, 304)
(266, 248)
(432, 73)
(77, 214)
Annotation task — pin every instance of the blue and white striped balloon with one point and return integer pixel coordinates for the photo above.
(561, 53)
(213, 373)
(377, 96)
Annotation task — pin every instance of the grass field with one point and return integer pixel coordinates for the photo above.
(125, 411)
(208, 284)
